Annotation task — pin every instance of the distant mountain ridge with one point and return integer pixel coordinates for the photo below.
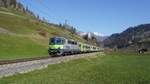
(138, 36)
(99, 36)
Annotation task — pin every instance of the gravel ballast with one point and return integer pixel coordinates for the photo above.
(24, 67)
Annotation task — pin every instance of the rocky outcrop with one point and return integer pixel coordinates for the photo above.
(13, 4)
(8, 3)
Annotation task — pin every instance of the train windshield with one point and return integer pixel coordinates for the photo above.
(58, 41)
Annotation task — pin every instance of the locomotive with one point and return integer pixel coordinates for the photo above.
(62, 46)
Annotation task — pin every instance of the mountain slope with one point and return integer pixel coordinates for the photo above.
(23, 36)
(136, 37)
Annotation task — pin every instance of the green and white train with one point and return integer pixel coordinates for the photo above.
(62, 46)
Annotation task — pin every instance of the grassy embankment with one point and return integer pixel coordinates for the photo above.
(20, 35)
(112, 68)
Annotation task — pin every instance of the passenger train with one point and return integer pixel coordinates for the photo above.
(62, 46)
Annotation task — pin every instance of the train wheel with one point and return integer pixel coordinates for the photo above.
(60, 53)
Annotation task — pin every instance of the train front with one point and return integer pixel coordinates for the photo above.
(56, 45)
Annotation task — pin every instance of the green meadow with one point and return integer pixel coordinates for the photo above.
(111, 68)
(21, 35)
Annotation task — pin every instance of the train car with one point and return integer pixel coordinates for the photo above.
(62, 46)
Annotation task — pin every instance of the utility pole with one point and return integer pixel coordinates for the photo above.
(66, 22)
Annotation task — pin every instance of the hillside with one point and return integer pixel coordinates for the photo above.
(23, 36)
(134, 38)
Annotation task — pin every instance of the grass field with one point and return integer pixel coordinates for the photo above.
(112, 68)
(20, 37)
(16, 47)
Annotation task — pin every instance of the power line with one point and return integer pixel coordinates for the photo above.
(36, 8)
(48, 8)
(41, 11)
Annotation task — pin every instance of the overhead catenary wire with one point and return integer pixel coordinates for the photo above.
(43, 13)
(38, 10)
(52, 11)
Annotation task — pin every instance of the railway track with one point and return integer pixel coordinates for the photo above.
(3, 62)
(11, 67)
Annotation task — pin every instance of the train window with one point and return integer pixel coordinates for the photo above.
(69, 42)
(79, 45)
(63, 41)
(75, 43)
(84, 46)
(57, 41)
(72, 42)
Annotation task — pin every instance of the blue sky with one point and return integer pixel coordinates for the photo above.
(104, 16)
